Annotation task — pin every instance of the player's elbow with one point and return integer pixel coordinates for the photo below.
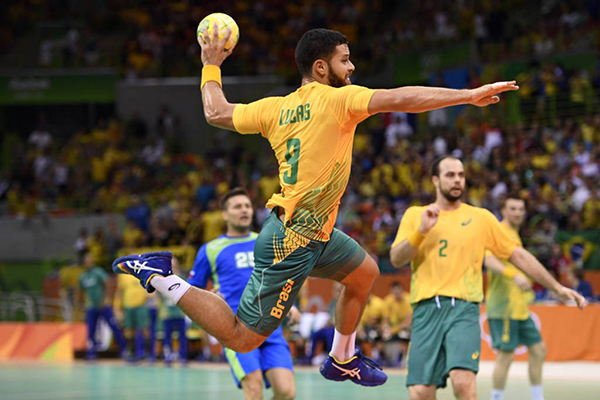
(518, 257)
(220, 116)
(396, 257)
(213, 117)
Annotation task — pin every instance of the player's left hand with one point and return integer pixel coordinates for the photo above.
(569, 294)
(488, 94)
(294, 315)
(213, 51)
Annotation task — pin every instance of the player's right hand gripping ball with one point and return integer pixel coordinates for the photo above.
(224, 22)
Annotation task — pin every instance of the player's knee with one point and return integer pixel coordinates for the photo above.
(421, 392)
(461, 389)
(288, 392)
(252, 384)
(538, 351)
(463, 385)
(367, 272)
(243, 340)
(246, 345)
(373, 269)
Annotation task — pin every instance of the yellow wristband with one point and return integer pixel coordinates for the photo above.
(509, 272)
(211, 73)
(416, 238)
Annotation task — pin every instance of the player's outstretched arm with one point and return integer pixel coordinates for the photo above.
(416, 99)
(217, 110)
(527, 263)
(492, 262)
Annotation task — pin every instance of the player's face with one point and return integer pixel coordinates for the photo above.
(239, 212)
(340, 67)
(88, 261)
(514, 211)
(451, 182)
(397, 292)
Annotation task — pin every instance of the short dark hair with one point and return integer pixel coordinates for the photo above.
(317, 44)
(513, 196)
(237, 191)
(396, 284)
(435, 168)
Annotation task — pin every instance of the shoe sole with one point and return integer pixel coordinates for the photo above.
(367, 384)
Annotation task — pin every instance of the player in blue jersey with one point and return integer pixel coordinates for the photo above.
(228, 261)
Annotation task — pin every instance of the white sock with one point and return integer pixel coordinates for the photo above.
(170, 286)
(537, 392)
(343, 346)
(497, 394)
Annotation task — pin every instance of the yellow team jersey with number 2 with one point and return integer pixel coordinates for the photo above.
(311, 131)
(449, 261)
(504, 299)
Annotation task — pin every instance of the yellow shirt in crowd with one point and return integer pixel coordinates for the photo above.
(132, 293)
(396, 311)
(449, 261)
(374, 311)
(504, 299)
(311, 131)
(212, 225)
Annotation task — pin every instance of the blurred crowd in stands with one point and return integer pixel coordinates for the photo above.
(158, 38)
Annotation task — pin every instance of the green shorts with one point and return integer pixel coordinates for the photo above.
(283, 260)
(136, 318)
(508, 334)
(445, 336)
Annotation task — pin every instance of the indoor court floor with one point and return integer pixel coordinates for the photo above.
(118, 381)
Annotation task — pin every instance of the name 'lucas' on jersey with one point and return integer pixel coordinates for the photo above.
(293, 115)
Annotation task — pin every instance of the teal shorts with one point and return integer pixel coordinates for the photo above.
(283, 261)
(445, 336)
(136, 318)
(508, 334)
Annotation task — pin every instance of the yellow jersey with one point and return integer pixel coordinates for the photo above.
(311, 131)
(450, 258)
(374, 312)
(213, 225)
(504, 299)
(133, 294)
(396, 311)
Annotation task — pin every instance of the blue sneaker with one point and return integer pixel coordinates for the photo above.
(145, 266)
(359, 369)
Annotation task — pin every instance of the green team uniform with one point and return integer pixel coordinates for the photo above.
(271, 293)
(446, 289)
(507, 308)
(92, 282)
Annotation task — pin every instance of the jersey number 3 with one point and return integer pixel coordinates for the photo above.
(244, 259)
(291, 156)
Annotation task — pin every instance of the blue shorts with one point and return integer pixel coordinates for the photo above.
(273, 353)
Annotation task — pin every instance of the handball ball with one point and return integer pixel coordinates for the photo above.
(223, 22)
